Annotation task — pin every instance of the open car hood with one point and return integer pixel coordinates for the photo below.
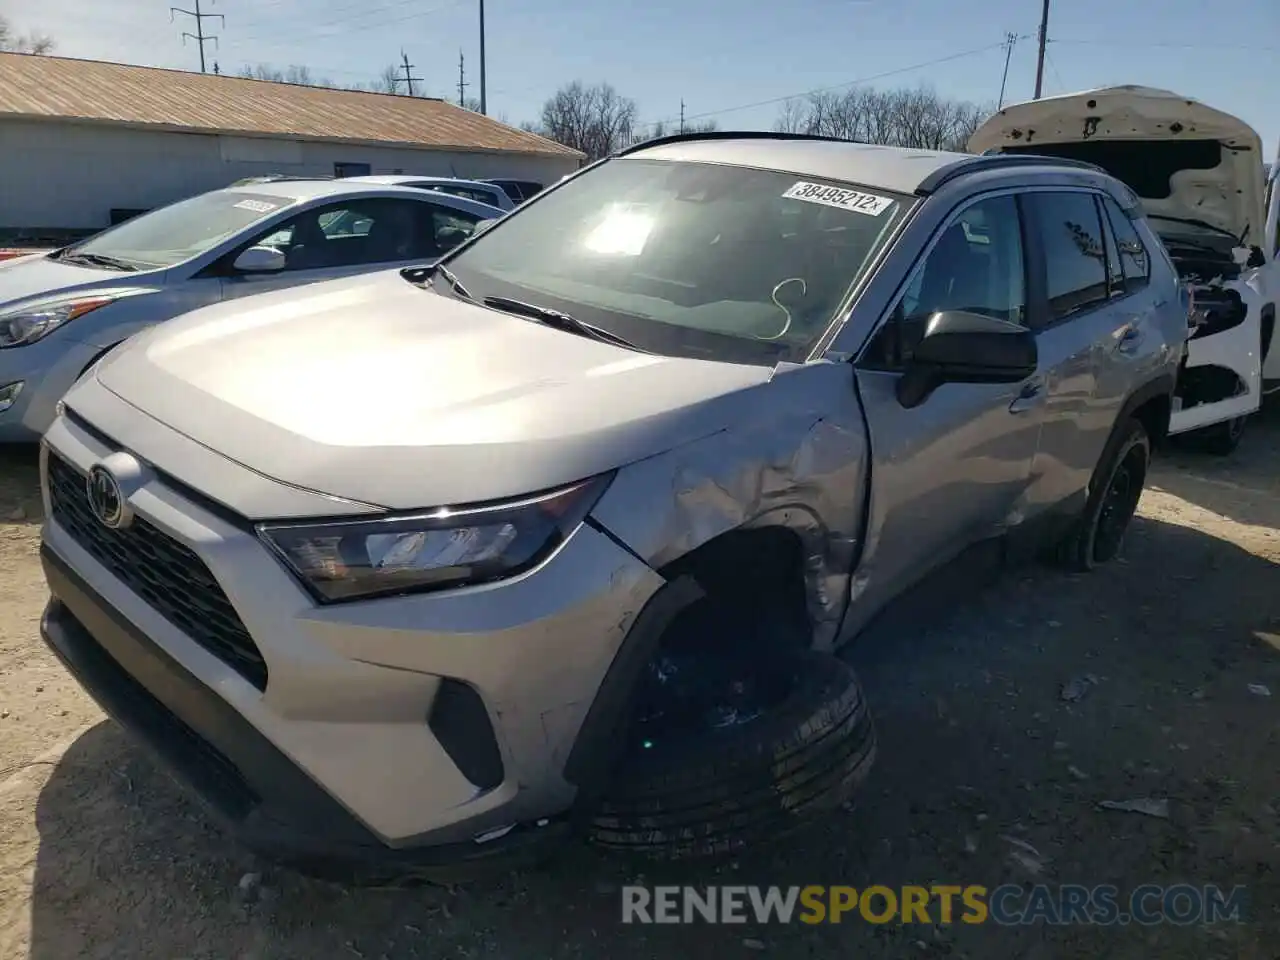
(1183, 158)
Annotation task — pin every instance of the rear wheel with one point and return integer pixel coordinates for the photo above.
(1098, 534)
(768, 745)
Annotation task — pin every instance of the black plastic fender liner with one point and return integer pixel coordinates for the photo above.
(600, 736)
(1161, 386)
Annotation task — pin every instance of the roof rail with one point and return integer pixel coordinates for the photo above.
(996, 161)
(727, 135)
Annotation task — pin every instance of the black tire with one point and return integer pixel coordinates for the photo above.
(723, 790)
(1221, 439)
(1097, 535)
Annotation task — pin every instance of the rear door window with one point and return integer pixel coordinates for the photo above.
(1135, 264)
(1075, 251)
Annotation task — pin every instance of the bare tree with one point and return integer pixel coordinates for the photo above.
(294, 73)
(665, 128)
(793, 117)
(596, 120)
(13, 42)
(388, 81)
(906, 117)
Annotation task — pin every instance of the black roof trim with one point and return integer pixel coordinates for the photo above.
(996, 161)
(730, 135)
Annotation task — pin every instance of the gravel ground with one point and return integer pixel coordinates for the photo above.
(1003, 720)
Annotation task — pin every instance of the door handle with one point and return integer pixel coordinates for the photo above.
(1031, 394)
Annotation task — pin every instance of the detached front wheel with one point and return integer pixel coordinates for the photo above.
(774, 744)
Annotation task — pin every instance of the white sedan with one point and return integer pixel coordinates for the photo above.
(61, 311)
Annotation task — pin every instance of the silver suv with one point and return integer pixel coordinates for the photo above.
(379, 564)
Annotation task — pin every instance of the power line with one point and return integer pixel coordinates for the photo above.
(1168, 46)
(199, 36)
(839, 86)
(1062, 87)
(359, 18)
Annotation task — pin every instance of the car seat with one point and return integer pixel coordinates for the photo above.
(955, 277)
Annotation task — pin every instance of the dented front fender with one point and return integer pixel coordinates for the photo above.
(798, 459)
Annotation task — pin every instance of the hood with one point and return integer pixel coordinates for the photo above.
(24, 278)
(1183, 158)
(372, 389)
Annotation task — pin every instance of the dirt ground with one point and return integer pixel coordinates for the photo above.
(1003, 721)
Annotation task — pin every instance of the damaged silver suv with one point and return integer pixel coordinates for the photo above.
(559, 533)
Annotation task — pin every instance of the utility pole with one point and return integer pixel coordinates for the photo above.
(682, 114)
(408, 77)
(199, 36)
(1009, 40)
(1044, 39)
(484, 106)
(462, 83)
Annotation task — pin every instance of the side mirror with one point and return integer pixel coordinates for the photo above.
(259, 260)
(963, 347)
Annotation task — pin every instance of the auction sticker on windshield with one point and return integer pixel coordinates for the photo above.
(840, 197)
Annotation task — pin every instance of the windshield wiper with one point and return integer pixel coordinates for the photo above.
(559, 320)
(453, 281)
(424, 275)
(1192, 221)
(98, 260)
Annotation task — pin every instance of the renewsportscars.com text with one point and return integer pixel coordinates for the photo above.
(1007, 905)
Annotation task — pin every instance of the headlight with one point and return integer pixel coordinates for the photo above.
(28, 323)
(358, 559)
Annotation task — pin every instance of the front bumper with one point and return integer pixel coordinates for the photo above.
(249, 786)
(46, 369)
(335, 752)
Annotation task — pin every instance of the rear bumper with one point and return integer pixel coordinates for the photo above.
(257, 793)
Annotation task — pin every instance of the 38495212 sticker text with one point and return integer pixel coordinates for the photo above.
(840, 197)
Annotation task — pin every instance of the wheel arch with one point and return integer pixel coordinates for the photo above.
(779, 556)
(1152, 406)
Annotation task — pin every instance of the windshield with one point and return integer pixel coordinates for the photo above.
(692, 259)
(182, 230)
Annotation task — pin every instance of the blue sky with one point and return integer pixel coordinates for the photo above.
(714, 54)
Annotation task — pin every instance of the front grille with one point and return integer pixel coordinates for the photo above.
(163, 572)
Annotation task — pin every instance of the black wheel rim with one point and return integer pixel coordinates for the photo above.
(687, 697)
(1118, 505)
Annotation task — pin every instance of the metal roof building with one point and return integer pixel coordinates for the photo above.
(82, 139)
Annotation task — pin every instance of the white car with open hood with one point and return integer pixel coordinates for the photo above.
(1199, 174)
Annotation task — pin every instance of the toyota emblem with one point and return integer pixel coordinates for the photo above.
(106, 498)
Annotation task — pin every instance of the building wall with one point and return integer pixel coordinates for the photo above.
(63, 175)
